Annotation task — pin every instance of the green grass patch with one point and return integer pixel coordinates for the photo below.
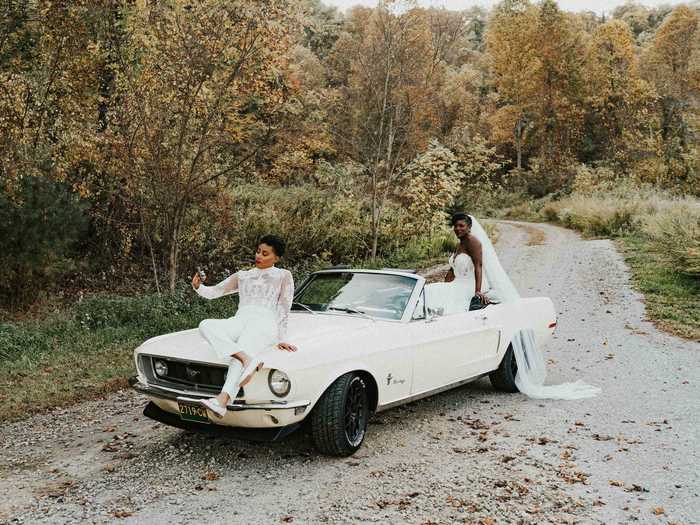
(87, 350)
(672, 299)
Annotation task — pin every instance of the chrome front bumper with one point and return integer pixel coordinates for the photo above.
(168, 394)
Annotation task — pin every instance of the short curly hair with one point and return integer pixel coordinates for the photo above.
(461, 216)
(275, 242)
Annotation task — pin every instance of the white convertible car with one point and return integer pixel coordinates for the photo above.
(368, 340)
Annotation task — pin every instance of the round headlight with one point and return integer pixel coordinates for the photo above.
(279, 382)
(161, 368)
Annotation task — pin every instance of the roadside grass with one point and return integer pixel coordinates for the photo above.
(85, 350)
(672, 299)
(658, 234)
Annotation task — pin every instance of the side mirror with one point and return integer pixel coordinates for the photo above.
(433, 313)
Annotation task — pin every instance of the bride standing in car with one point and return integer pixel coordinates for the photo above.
(466, 264)
(465, 278)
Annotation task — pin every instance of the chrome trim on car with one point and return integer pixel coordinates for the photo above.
(173, 395)
(428, 393)
(181, 360)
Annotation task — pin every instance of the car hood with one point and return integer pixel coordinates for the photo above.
(313, 334)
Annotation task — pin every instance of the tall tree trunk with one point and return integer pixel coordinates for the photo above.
(173, 257)
(519, 132)
(147, 238)
(375, 214)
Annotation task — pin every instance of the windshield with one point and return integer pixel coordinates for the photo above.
(378, 295)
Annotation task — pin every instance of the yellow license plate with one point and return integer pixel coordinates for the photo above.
(192, 412)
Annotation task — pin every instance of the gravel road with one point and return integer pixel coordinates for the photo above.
(471, 455)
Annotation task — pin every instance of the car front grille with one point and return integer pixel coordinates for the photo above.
(185, 375)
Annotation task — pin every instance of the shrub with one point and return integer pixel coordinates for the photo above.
(39, 228)
(675, 231)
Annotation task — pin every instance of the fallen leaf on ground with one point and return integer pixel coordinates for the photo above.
(616, 483)
(210, 475)
(56, 490)
(636, 488)
(121, 513)
(658, 511)
(598, 437)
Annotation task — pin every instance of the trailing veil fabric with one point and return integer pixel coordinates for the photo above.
(531, 366)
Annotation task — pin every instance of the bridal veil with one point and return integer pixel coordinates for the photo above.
(531, 365)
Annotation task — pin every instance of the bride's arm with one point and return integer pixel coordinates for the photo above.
(475, 253)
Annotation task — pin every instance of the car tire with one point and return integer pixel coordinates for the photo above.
(339, 419)
(503, 378)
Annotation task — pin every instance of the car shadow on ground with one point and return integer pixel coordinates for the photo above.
(230, 453)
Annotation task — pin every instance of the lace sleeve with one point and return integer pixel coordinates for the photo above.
(225, 287)
(284, 304)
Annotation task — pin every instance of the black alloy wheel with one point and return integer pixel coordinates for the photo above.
(356, 412)
(339, 419)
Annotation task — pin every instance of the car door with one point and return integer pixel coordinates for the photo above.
(448, 349)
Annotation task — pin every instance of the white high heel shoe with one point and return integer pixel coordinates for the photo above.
(213, 404)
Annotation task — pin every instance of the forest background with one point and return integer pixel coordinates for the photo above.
(139, 140)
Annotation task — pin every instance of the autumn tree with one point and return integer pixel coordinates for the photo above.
(620, 105)
(383, 109)
(197, 95)
(428, 186)
(46, 86)
(514, 64)
(558, 98)
(673, 65)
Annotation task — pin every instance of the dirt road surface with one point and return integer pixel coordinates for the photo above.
(471, 455)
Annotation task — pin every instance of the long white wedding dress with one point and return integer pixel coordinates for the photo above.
(497, 286)
(454, 296)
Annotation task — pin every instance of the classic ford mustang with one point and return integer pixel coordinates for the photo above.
(368, 340)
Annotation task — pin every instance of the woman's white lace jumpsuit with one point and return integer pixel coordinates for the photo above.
(261, 320)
